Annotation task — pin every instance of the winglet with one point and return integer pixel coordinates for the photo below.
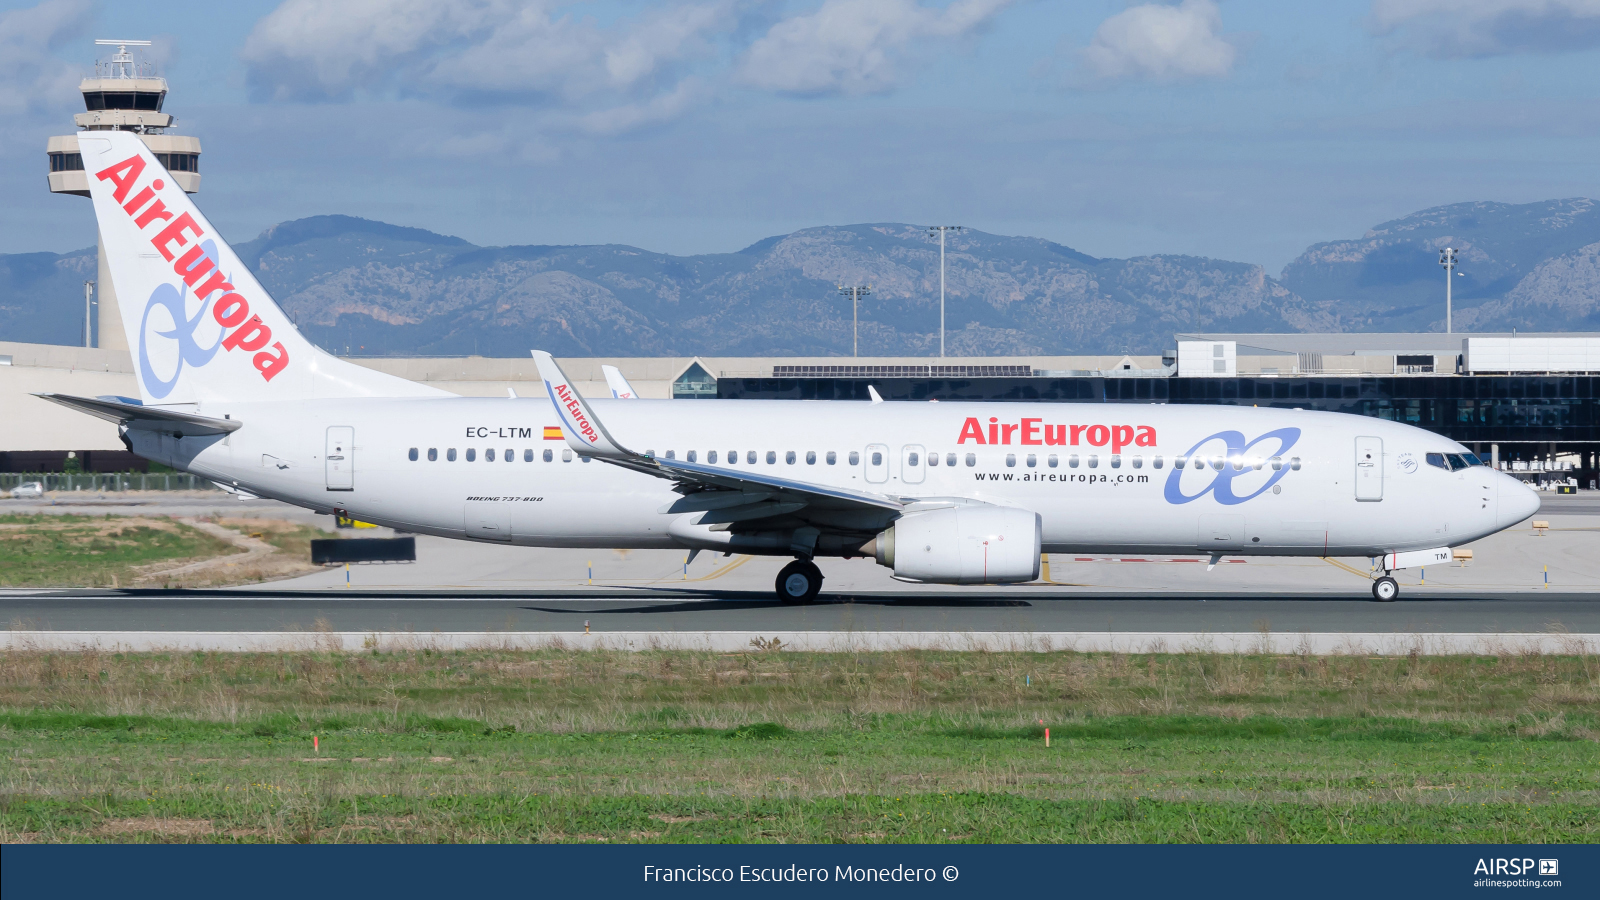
(620, 388)
(579, 425)
(873, 392)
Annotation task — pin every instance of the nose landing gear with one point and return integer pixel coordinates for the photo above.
(1385, 589)
(799, 582)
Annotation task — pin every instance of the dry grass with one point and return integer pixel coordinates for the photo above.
(667, 746)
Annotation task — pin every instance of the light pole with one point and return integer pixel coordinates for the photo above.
(855, 293)
(1447, 258)
(88, 314)
(942, 229)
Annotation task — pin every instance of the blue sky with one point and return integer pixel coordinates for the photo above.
(1238, 129)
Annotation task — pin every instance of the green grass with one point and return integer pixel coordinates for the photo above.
(93, 551)
(695, 747)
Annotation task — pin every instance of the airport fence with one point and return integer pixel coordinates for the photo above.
(107, 481)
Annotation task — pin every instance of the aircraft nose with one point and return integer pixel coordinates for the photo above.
(1517, 501)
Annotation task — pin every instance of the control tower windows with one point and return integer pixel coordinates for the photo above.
(66, 162)
(179, 162)
(151, 101)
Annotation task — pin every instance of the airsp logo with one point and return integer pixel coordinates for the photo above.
(1406, 463)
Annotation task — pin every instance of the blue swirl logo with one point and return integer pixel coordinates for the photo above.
(1221, 486)
(175, 301)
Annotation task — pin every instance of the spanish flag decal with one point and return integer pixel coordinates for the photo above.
(553, 433)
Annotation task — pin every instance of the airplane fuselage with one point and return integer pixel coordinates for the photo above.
(1104, 478)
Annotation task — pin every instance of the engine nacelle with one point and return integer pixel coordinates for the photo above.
(963, 545)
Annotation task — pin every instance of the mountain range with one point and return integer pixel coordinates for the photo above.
(370, 288)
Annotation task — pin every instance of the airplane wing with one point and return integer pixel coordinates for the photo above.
(585, 434)
(133, 414)
(620, 388)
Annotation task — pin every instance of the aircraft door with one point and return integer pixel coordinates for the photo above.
(1369, 468)
(488, 520)
(911, 464)
(341, 458)
(877, 463)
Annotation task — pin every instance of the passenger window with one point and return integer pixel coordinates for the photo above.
(877, 458)
(450, 455)
(549, 456)
(1116, 460)
(832, 457)
(433, 454)
(1138, 462)
(412, 455)
(788, 457)
(1294, 463)
(933, 459)
(527, 455)
(566, 456)
(472, 454)
(1155, 463)
(772, 457)
(811, 457)
(672, 454)
(949, 459)
(1094, 460)
(1072, 461)
(488, 455)
(1217, 463)
(1179, 462)
(750, 457)
(911, 460)
(583, 459)
(855, 458)
(972, 460)
(1277, 462)
(1238, 463)
(1052, 461)
(733, 457)
(690, 456)
(1032, 460)
(711, 457)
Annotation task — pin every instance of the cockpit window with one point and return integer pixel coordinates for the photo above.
(1456, 462)
(1437, 459)
(1473, 459)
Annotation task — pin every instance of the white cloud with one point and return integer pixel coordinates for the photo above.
(1454, 28)
(660, 108)
(507, 49)
(850, 46)
(1164, 43)
(30, 78)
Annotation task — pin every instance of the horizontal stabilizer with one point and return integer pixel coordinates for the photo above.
(152, 418)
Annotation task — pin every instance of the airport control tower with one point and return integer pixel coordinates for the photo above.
(127, 95)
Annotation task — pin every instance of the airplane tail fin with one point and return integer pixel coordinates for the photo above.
(620, 388)
(199, 325)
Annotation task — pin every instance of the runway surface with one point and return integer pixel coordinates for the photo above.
(686, 610)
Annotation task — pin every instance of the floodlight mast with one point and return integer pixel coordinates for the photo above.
(942, 229)
(1447, 258)
(855, 293)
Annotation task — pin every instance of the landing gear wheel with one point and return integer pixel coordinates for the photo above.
(799, 582)
(1385, 589)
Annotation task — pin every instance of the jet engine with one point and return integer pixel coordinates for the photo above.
(963, 545)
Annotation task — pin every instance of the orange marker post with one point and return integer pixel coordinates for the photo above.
(316, 747)
(1047, 737)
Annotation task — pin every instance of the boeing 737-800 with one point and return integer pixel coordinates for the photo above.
(941, 493)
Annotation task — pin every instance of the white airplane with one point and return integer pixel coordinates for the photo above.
(620, 388)
(941, 493)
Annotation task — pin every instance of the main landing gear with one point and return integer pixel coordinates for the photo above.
(1385, 589)
(799, 582)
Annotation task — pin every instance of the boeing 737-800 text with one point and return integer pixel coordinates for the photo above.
(946, 493)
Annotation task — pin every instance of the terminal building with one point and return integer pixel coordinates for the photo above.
(1529, 402)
